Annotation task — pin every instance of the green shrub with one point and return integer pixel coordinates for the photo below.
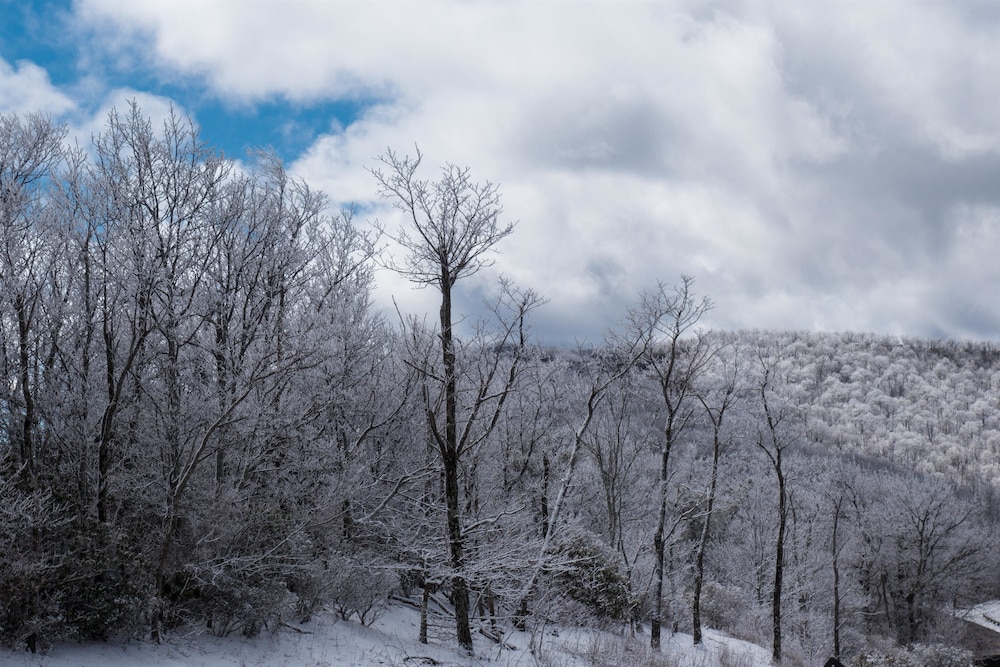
(587, 571)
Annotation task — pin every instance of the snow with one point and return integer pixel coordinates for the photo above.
(392, 640)
(986, 614)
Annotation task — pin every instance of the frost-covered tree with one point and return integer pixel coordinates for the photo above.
(719, 400)
(667, 316)
(33, 280)
(773, 440)
(925, 547)
(452, 226)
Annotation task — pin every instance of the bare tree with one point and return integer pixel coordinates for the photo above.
(614, 363)
(924, 548)
(453, 224)
(159, 311)
(716, 402)
(773, 442)
(838, 497)
(668, 315)
(30, 152)
(618, 449)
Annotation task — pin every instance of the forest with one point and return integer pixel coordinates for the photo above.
(205, 420)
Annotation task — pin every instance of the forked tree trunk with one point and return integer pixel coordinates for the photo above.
(716, 417)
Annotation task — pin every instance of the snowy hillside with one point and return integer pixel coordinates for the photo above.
(986, 614)
(391, 640)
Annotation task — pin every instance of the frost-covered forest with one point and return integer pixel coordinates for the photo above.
(205, 420)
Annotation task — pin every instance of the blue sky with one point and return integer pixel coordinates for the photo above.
(815, 165)
(49, 35)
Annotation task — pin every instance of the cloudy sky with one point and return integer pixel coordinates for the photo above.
(814, 165)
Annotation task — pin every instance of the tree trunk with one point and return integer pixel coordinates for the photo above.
(775, 459)
(450, 460)
(836, 582)
(491, 606)
(104, 463)
(657, 620)
(425, 598)
(699, 565)
(779, 561)
(159, 576)
(544, 500)
(659, 543)
(28, 472)
(459, 586)
(699, 578)
(911, 617)
(83, 487)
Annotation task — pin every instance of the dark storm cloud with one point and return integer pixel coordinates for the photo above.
(905, 194)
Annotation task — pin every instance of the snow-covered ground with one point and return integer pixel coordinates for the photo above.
(986, 614)
(392, 640)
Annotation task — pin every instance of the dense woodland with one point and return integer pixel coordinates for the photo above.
(204, 420)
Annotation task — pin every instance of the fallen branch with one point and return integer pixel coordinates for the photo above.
(282, 624)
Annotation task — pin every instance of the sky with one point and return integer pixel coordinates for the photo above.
(814, 165)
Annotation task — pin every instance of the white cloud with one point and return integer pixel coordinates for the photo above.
(25, 87)
(784, 153)
(920, 71)
(628, 157)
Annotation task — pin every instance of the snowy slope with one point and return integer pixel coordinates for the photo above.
(986, 614)
(391, 640)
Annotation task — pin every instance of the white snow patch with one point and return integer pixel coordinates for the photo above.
(986, 614)
(392, 640)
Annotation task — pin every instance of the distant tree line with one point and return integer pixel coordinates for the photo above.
(204, 420)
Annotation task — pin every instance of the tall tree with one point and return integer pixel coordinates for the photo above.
(772, 440)
(716, 401)
(30, 249)
(453, 226)
(668, 315)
